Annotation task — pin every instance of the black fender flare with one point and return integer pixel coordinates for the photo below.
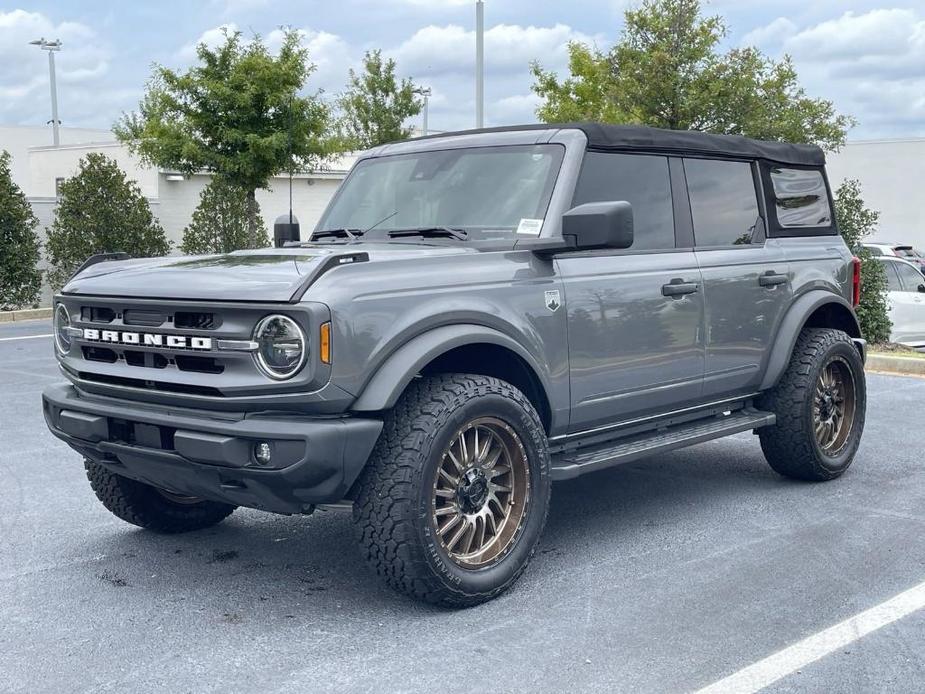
(789, 330)
(382, 391)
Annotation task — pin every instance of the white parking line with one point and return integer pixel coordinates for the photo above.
(765, 672)
(24, 337)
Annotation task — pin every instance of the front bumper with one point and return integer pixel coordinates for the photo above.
(210, 454)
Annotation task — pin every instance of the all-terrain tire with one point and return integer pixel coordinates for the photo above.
(791, 446)
(147, 507)
(392, 510)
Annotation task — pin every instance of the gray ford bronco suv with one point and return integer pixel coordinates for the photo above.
(477, 315)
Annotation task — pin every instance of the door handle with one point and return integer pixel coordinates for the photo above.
(772, 279)
(678, 288)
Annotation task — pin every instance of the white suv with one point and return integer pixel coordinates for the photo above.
(898, 250)
(907, 301)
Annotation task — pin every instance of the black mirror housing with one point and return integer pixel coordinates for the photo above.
(599, 225)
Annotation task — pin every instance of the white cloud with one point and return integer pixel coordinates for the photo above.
(331, 55)
(772, 34)
(443, 57)
(508, 47)
(210, 37)
(81, 65)
(888, 32)
(870, 65)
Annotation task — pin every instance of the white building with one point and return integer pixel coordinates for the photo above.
(891, 173)
(38, 168)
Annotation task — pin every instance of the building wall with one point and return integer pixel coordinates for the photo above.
(37, 166)
(19, 139)
(178, 200)
(891, 173)
(46, 164)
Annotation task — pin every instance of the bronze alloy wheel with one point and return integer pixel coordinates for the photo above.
(481, 493)
(834, 403)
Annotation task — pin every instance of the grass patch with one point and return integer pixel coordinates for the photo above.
(894, 350)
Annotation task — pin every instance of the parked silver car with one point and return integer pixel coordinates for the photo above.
(907, 301)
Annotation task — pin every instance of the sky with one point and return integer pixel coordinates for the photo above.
(868, 57)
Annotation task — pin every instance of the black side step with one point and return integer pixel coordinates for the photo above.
(571, 464)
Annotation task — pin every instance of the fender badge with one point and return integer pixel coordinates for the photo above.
(552, 300)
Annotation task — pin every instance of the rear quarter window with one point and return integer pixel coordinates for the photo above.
(801, 199)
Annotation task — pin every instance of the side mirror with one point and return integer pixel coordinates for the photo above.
(599, 225)
(922, 288)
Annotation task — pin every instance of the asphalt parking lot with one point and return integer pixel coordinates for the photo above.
(662, 576)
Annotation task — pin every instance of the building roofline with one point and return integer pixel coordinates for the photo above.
(74, 145)
(885, 141)
(44, 126)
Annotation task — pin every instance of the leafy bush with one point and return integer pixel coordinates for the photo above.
(220, 222)
(856, 222)
(20, 279)
(99, 211)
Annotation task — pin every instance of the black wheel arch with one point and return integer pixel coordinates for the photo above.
(815, 309)
(459, 348)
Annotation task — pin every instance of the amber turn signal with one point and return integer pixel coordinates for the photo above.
(325, 343)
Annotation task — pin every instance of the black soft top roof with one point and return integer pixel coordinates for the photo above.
(638, 137)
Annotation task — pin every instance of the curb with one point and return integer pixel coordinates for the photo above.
(888, 363)
(25, 314)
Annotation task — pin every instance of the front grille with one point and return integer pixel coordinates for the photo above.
(101, 354)
(151, 319)
(203, 365)
(198, 320)
(135, 346)
(97, 314)
(150, 360)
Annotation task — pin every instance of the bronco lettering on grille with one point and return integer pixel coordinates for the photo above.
(147, 339)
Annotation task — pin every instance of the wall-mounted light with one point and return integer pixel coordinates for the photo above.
(174, 177)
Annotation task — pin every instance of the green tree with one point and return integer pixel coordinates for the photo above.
(220, 222)
(377, 104)
(667, 71)
(856, 222)
(100, 211)
(20, 279)
(238, 114)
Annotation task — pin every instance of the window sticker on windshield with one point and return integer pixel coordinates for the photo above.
(530, 226)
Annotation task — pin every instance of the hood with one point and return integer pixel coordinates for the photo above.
(263, 275)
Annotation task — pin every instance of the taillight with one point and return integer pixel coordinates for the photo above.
(856, 282)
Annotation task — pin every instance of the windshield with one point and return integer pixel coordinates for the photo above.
(494, 190)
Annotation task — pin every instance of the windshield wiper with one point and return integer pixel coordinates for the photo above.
(337, 233)
(432, 232)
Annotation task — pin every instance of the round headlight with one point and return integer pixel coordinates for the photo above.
(281, 348)
(62, 329)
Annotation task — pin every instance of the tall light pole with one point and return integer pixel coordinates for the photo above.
(479, 64)
(51, 47)
(425, 92)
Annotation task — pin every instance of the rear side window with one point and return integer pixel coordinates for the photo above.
(892, 279)
(911, 278)
(800, 198)
(724, 204)
(640, 180)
